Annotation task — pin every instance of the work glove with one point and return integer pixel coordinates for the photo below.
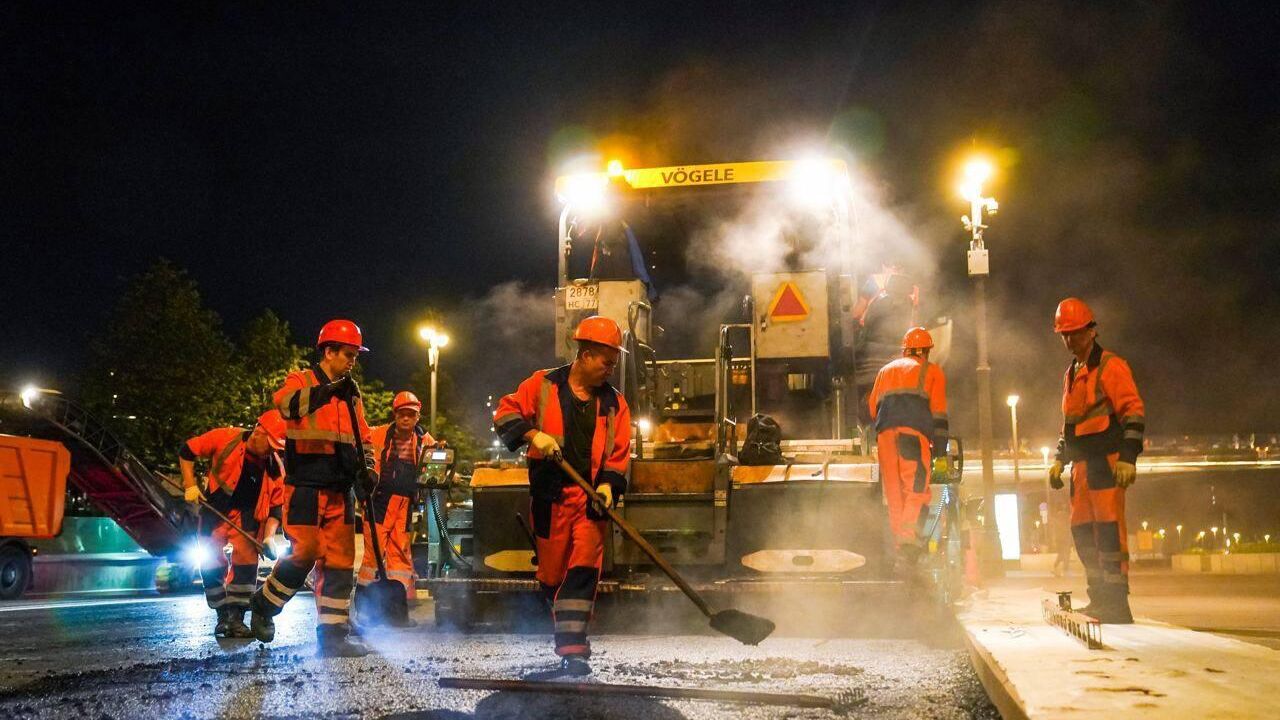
(1124, 473)
(1055, 475)
(268, 551)
(545, 444)
(345, 388)
(605, 491)
(941, 470)
(193, 494)
(368, 482)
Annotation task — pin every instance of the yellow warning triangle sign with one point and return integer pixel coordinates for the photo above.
(788, 304)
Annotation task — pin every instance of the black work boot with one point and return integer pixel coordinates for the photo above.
(575, 665)
(1115, 608)
(334, 642)
(907, 564)
(263, 626)
(235, 624)
(224, 626)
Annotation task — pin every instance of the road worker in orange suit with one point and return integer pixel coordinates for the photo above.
(322, 466)
(572, 412)
(1103, 425)
(397, 447)
(245, 484)
(908, 404)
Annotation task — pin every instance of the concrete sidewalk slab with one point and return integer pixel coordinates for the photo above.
(1146, 670)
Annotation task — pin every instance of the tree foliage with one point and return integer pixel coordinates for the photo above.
(162, 369)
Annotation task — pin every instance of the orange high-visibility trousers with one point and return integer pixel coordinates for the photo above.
(904, 477)
(320, 525)
(394, 539)
(228, 586)
(1097, 523)
(569, 562)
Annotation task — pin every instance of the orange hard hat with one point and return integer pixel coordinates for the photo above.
(404, 398)
(917, 338)
(600, 330)
(342, 331)
(273, 423)
(1072, 315)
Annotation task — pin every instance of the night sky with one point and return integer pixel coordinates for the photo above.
(378, 161)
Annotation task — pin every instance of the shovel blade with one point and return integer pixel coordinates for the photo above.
(380, 601)
(746, 628)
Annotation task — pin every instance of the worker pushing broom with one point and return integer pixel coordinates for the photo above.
(578, 428)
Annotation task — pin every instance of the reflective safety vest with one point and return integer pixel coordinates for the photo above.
(911, 392)
(542, 402)
(319, 448)
(1102, 411)
(398, 476)
(226, 448)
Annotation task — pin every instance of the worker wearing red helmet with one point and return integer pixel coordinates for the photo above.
(397, 447)
(571, 412)
(1104, 420)
(908, 404)
(245, 485)
(322, 465)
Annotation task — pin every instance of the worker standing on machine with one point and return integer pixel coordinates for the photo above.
(909, 406)
(397, 447)
(1104, 420)
(572, 412)
(322, 465)
(245, 485)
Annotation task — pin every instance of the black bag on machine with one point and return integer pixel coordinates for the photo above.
(762, 446)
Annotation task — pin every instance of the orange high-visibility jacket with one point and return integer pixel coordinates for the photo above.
(1102, 411)
(319, 448)
(395, 478)
(912, 392)
(541, 403)
(225, 448)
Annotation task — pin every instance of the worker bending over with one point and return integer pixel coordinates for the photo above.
(908, 404)
(245, 485)
(322, 465)
(397, 447)
(1103, 424)
(572, 412)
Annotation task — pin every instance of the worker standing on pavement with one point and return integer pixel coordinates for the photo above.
(397, 447)
(572, 412)
(322, 466)
(245, 484)
(1103, 424)
(908, 404)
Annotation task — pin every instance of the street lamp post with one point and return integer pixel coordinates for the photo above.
(976, 172)
(1012, 402)
(1048, 498)
(435, 340)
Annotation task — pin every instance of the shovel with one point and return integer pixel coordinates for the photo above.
(745, 628)
(262, 549)
(384, 598)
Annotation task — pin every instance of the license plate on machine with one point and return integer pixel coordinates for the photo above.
(582, 297)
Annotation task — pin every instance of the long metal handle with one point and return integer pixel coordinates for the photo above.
(205, 504)
(636, 538)
(370, 520)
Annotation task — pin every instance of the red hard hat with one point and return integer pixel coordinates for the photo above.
(600, 330)
(1072, 315)
(273, 423)
(342, 331)
(404, 398)
(917, 338)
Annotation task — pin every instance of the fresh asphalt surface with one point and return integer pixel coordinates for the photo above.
(157, 657)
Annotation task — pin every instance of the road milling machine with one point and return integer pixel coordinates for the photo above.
(772, 247)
